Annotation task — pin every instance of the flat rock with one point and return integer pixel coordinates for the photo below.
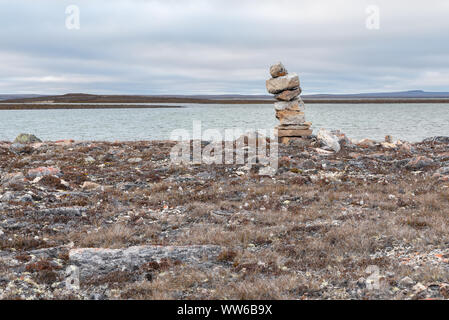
(290, 117)
(366, 143)
(288, 95)
(295, 104)
(20, 148)
(135, 160)
(67, 211)
(278, 70)
(88, 185)
(388, 145)
(94, 261)
(303, 126)
(293, 133)
(288, 82)
(323, 152)
(66, 142)
(43, 171)
(419, 163)
(298, 141)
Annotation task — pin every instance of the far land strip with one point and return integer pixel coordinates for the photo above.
(88, 101)
(39, 106)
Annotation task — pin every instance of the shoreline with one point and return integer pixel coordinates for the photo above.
(69, 141)
(63, 142)
(39, 106)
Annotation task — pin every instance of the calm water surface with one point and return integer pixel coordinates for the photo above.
(412, 122)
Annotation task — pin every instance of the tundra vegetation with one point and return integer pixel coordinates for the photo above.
(370, 221)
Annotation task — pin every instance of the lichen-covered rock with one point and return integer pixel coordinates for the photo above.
(25, 138)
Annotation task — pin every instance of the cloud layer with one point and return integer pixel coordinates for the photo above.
(221, 46)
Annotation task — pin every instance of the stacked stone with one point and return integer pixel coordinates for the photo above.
(290, 108)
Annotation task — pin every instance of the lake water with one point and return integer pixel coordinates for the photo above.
(411, 122)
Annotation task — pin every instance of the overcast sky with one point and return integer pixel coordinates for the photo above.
(216, 47)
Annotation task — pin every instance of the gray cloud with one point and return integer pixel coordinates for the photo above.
(198, 46)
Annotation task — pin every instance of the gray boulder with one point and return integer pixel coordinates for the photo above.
(440, 139)
(25, 138)
(329, 140)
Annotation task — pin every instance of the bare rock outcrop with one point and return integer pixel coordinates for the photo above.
(94, 261)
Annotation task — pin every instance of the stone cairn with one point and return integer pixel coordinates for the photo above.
(290, 107)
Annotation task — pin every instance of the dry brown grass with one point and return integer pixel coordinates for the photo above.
(116, 236)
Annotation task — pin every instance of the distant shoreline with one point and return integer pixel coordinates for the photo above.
(76, 107)
(375, 100)
(86, 101)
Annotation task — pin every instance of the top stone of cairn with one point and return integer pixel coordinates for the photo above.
(278, 70)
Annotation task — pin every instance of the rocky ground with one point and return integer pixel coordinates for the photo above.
(370, 221)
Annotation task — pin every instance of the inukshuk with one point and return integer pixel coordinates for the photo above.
(290, 107)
